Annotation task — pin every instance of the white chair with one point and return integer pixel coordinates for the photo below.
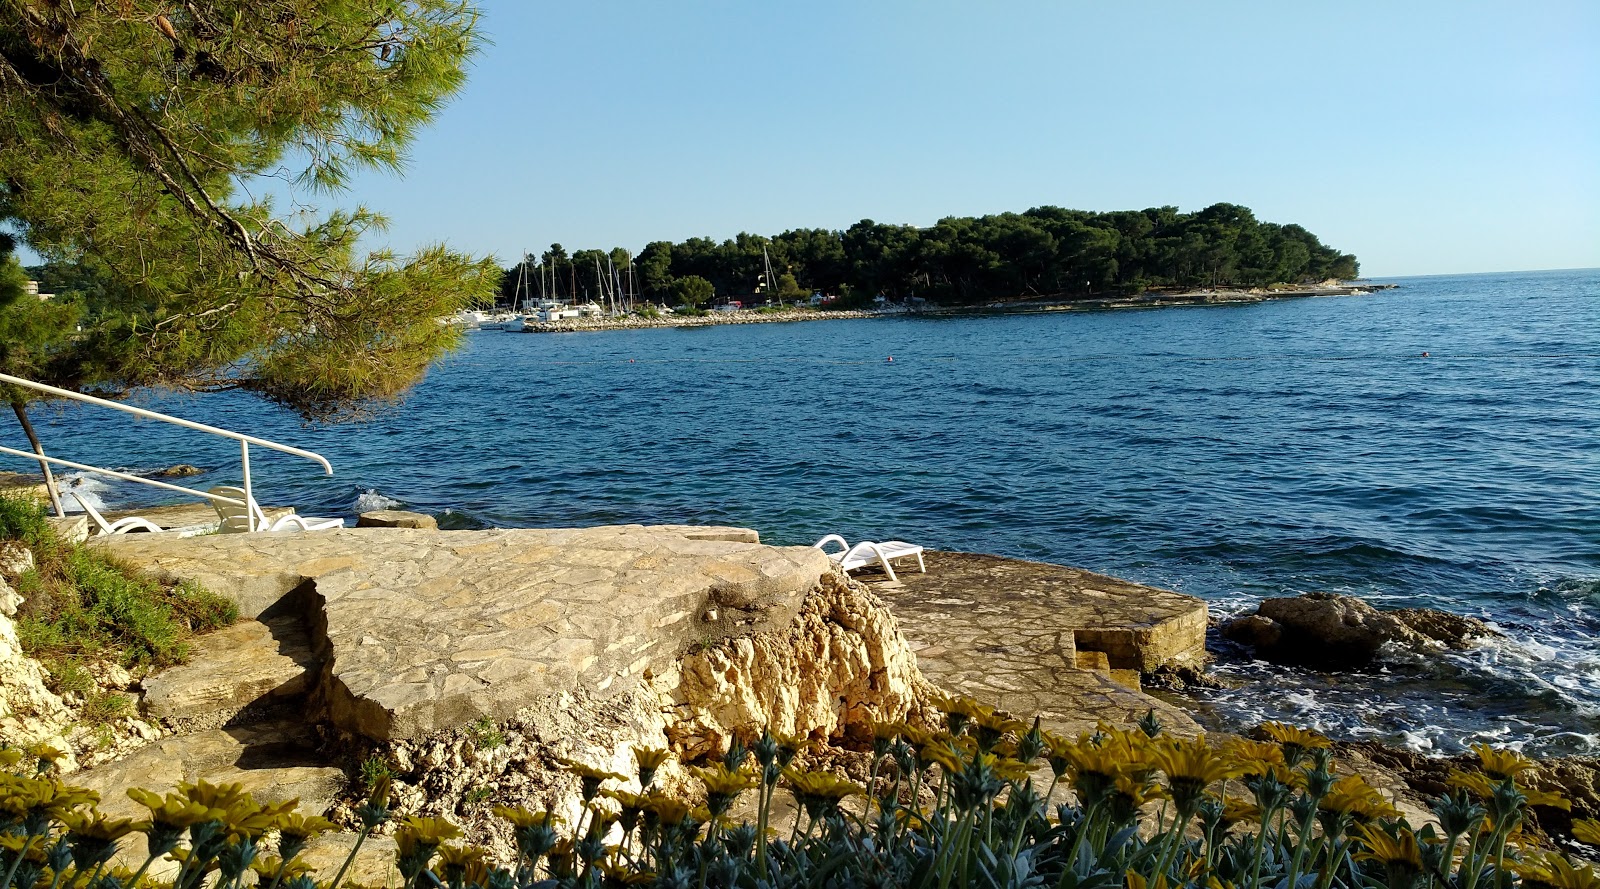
(868, 552)
(120, 526)
(238, 519)
(133, 523)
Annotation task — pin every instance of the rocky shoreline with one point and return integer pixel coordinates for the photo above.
(384, 651)
(1151, 300)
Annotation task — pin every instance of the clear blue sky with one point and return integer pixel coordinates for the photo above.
(1425, 137)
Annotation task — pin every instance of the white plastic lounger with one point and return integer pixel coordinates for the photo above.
(133, 524)
(236, 519)
(868, 552)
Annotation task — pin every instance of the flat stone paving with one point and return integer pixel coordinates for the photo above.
(427, 630)
(1016, 634)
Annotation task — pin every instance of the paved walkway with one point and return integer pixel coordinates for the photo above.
(1034, 638)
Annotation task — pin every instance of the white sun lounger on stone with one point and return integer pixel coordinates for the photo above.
(133, 524)
(868, 552)
(236, 519)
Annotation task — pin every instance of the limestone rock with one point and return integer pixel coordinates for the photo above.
(250, 663)
(30, 712)
(1254, 630)
(841, 664)
(396, 518)
(424, 631)
(1332, 631)
(1453, 631)
(181, 470)
(15, 558)
(374, 864)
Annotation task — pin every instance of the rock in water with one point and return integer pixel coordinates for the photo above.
(1333, 631)
(396, 518)
(182, 470)
(1453, 631)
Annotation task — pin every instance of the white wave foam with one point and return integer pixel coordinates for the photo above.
(371, 501)
(81, 486)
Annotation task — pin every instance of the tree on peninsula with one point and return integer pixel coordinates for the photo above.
(140, 144)
(1043, 252)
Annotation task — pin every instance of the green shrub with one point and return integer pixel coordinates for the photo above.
(23, 518)
(83, 602)
(79, 604)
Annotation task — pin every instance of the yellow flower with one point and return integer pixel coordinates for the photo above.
(887, 731)
(94, 825)
(586, 771)
(213, 796)
(1587, 830)
(990, 721)
(1475, 783)
(1547, 798)
(1008, 768)
(1137, 881)
(961, 705)
(1252, 757)
(172, 812)
(1501, 764)
(31, 847)
(1352, 795)
(821, 784)
(1288, 735)
(293, 825)
(463, 865)
(423, 833)
(666, 809)
(721, 780)
(1235, 810)
(944, 755)
(520, 817)
(1190, 766)
(1551, 871)
(1402, 852)
(651, 758)
(1136, 792)
(46, 754)
(269, 866)
(9, 757)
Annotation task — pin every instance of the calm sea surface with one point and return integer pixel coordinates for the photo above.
(1227, 452)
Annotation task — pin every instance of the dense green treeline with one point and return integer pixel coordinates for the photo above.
(1045, 252)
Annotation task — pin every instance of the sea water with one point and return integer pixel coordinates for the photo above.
(1229, 452)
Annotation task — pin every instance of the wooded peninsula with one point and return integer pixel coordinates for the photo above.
(1045, 252)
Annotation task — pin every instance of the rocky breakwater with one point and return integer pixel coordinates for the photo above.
(466, 664)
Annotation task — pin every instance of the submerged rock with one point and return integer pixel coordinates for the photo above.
(1329, 630)
(182, 470)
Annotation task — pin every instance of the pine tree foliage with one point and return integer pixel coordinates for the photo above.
(140, 141)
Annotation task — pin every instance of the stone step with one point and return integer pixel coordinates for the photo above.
(252, 665)
(275, 761)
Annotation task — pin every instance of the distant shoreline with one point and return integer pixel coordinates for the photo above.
(1152, 300)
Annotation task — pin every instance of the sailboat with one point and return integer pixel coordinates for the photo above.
(519, 296)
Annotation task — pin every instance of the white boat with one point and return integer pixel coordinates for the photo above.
(471, 319)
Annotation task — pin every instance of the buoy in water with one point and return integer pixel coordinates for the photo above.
(889, 360)
(1425, 354)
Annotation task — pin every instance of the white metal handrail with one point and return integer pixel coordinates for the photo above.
(245, 441)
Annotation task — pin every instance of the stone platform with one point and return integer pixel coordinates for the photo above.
(420, 631)
(1033, 638)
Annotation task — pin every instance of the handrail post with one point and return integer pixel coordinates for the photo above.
(249, 499)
